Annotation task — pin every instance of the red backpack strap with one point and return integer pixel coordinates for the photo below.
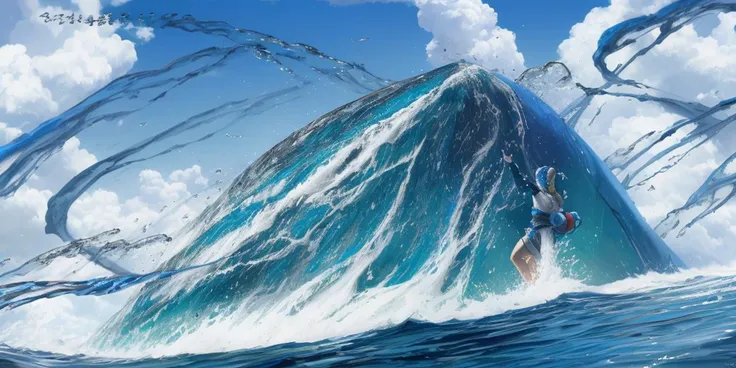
(570, 222)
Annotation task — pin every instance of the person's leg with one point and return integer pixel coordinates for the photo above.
(524, 261)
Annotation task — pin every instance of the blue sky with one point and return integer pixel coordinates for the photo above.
(396, 48)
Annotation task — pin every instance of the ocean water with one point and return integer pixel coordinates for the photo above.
(673, 320)
(379, 233)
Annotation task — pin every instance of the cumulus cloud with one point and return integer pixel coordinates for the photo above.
(465, 29)
(87, 59)
(47, 67)
(696, 63)
(75, 158)
(61, 324)
(44, 69)
(144, 34)
(190, 176)
(59, 168)
(158, 190)
(23, 214)
(22, 224)
(103, 210)
(62, 166)
(20, 85)
(8, 133)
(576, 51)
(690, 63)
(100, 210)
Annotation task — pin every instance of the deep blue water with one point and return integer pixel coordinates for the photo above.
(687, 323)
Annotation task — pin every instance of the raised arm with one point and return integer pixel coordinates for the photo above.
(521, 182)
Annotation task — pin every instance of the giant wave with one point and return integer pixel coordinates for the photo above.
(402, 190)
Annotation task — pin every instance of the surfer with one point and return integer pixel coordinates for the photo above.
(548, 218)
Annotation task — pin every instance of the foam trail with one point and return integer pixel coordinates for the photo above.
(704, 196)
(92, 249)
(59, 203)
(25, 153)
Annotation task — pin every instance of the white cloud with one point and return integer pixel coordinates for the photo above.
(687, 64)
(157, 190)
(76, 159)
(23, 223)
(47, 67)
(62, 166)
(88, 7)
(44, 69)
(21, 88)
(576, 51)
(87, 59)
(144, 34)
(190, 176)
(62, 325)
(694, 64)
(468, 29)
(465, 29)
(7, 133)
(97, 211)
(354, 2)
(23, 214)
(102, 209)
